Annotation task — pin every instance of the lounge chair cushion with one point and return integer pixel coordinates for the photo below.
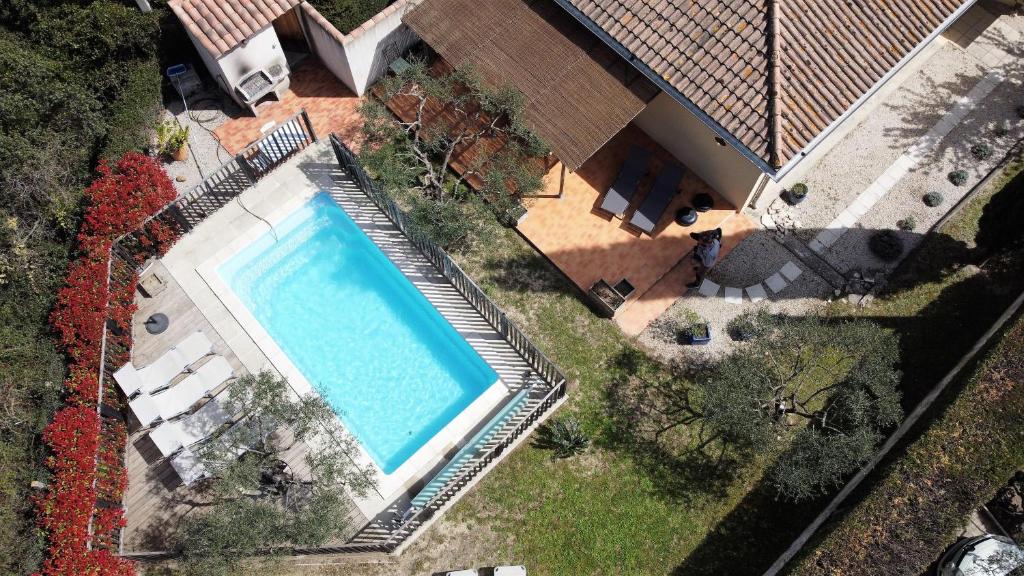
(145, 409)
(179, 398)
(653, 207)
(617, 200)
(191, 429)
(188, 466)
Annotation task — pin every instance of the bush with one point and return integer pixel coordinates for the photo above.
(933, 199)
(564, 437)
(746, 327)
(907, 224)
(347, 15)
(1001, 129)
(798, 190)
(981, 151)
(887, 245)
(918, 505)
(957, 177)
(444, 221)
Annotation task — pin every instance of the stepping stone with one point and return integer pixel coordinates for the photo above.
(733, 295)
(776, 282)
(768, 222)
(756, 292)
(708, 288)
(791, 271)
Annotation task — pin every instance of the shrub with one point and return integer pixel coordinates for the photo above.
(798, 190)
(1001, 129)
(933, 199)
(886, 244)
(347, 15)
(746, 327)
(564, 437)
(981, 151)
(957, 177)
(907, 224)
(86, 461)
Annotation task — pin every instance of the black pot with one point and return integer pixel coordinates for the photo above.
(794, 199)
(686, 216)
(703, 202)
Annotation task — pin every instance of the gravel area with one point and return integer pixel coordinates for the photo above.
(207, 111)
(755, 259)
(865, 153)
(851, 252)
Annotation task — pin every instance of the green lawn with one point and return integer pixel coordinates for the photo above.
(610, 511)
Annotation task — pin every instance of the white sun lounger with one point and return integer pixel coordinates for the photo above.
(188, 466)
(160, 373)
(189, 430)
(179, 398)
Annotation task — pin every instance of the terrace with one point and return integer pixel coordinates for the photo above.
(233, 206)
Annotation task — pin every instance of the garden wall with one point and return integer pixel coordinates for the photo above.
(359, 58)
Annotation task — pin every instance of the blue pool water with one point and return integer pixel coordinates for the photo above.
(390, 365)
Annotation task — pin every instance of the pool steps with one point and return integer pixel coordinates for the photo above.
(471, 448)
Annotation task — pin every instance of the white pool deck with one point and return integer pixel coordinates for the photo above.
(194, 259)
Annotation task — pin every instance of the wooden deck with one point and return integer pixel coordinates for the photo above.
(156, 501)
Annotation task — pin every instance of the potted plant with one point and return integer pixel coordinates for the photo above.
(173, 139)
(796, 193)
(697, 333)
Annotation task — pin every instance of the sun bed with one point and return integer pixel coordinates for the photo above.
(616, 201)
(180, 397)
(170, 436)
(160, 373)
(653, 207)
(188, 466)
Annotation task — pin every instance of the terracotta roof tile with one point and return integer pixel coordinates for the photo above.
(220, 25)
(773, 73)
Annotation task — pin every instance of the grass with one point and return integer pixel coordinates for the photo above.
(925, 497)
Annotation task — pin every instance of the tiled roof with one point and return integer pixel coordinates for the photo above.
(578, 92)
(220, 25)
(773, 73)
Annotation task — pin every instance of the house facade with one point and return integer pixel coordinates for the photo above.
(748, 92)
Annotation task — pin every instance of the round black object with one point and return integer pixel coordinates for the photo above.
(686, 216)
(157, 323)
(703, 202)
(887, 245)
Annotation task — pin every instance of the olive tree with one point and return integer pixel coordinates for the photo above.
(818, 395)
(448, 114)
(258, 503)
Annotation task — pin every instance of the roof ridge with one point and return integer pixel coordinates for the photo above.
(774, 85)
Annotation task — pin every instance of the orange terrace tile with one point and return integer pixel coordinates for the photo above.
(587, 244)
(331, 107)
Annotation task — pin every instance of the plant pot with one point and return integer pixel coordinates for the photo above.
(703, 202)
(181, 154)
(794, 199)
(699, 339)
(686, 216)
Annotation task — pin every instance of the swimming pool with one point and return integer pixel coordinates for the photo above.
(395, 371)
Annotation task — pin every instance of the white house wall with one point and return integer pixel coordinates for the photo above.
(693, 143)
(362, 56)
(256, 53)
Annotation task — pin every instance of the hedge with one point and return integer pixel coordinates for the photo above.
(923, 499)
(86, 450)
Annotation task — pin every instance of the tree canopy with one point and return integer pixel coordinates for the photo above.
(819, 394)
(260, 503)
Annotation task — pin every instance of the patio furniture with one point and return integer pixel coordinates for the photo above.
(145, 409)
(617, 199)
(188, 466)
(160, 373)
(651, 209)
(703, 202)
(686, 216)
(179, 398)
(170, 436)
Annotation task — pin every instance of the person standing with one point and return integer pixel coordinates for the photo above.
(705, 254)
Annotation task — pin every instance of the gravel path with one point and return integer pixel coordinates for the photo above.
(207, 111)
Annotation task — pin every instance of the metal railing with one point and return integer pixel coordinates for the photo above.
(440, 259)
(131, 251)
(542, 399)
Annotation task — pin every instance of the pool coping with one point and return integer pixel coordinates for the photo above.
(417, 467)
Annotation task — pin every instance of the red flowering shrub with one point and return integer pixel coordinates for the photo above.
(86, 451)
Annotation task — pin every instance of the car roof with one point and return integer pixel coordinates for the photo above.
(990, 557)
